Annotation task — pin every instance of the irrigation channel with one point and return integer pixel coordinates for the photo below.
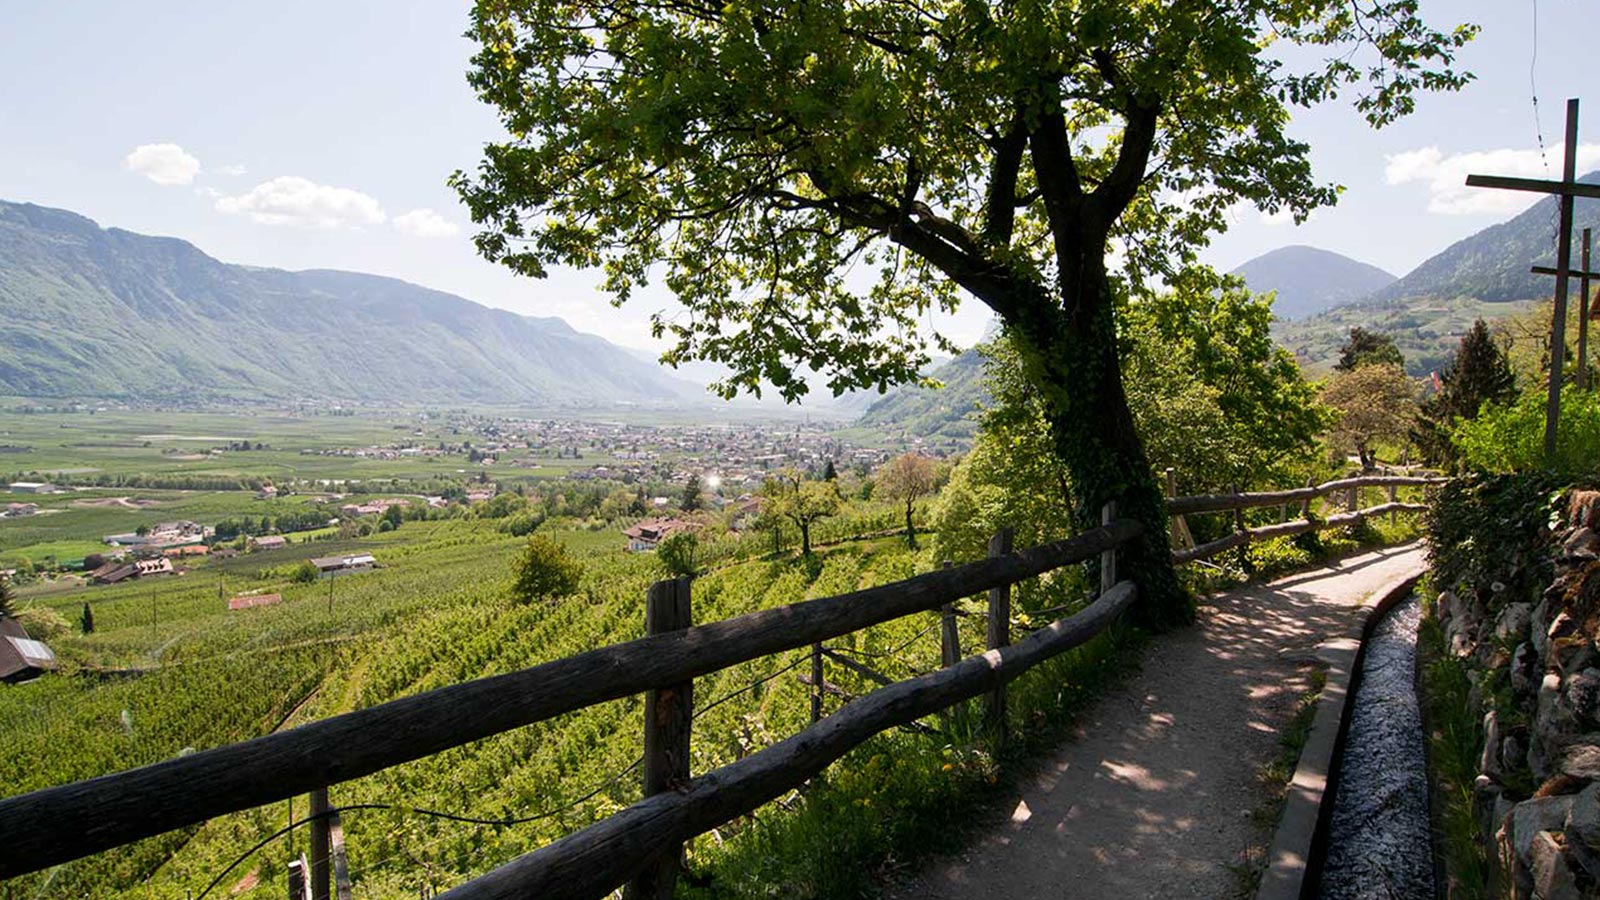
(1378, 839)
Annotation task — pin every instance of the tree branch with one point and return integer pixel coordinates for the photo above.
(1000, 212)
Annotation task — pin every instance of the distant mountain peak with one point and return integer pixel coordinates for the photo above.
(1309, 280)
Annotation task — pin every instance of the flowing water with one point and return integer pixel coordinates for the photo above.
(1378, 839)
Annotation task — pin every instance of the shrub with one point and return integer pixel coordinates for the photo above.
(305, 573)
(1510, 437)
(544, 571)
(43, 623)
(677, 553)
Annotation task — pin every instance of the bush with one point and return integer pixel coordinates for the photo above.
(677, 553)
(1510, 437)
(544, 571)
(43, 623)
(305, 573)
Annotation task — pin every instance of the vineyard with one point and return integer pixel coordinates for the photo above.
(169, 669)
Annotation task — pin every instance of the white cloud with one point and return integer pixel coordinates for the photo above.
(236, 169)
(165, 164)
(292, 200)
(1446, 176)
(426, 223)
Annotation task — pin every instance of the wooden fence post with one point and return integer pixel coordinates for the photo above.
(320, 846)
(1305, 507)
(1108, 558)
(816, 682)
(1240, 527)
(341, 865)
(1180, 537)
(299, 888)
(667, 712)
(949, 640)
(999, 635)
(1394, 494)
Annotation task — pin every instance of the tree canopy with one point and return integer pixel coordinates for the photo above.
(906, 478)
(810, 179)
(1365, 347)
(753, 153)
(1374, 403)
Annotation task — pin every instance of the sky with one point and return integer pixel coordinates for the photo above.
(320, 134)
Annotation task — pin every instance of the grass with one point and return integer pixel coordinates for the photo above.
(1455, 746)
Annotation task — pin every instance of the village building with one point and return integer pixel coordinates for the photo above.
(267, 492)
(647, 534)
(18, 510)
(334, 566)
(267, 542)
(32, 487)
(22, 657)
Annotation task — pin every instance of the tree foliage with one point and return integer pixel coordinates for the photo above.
(1374, 403)
(544, 571)
(1478, 373)
(907, 478)
(690, 501)
(1366, 348)
(756, 154)
(8, 599)
(677, 553)
(804, 502)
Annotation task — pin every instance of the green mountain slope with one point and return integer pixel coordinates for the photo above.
(1484, 275)
(1493, 264)
(1309, 280)
(948, 411)
(86, 311)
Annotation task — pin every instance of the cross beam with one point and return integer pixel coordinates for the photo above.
(1567, 189)
(1535, 185)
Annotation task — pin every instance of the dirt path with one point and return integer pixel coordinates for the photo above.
(1152, 796)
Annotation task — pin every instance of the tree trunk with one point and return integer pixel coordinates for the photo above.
(1069, 352)
(911, 530)
(805, 537)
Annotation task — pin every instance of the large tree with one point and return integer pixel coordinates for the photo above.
(754, 154)
(1478, 373)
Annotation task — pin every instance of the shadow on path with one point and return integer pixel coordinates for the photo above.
(1152, 795)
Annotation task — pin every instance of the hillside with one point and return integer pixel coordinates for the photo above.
(1309, 280)
(1492, 265)
(948, 411)
(86, 311)
(1484, 275)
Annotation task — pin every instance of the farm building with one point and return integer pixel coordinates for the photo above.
(32, 487)
(22, 657)
(116, 572)
(18, 510)
(332, 566)
(645, 535)
(268, 542)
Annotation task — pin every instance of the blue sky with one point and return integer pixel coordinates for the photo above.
(319, 135)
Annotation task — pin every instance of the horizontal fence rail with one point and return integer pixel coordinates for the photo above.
(1285, 529)
(59, 824)
(1179, 507)
(1203, 503)
(589, 863)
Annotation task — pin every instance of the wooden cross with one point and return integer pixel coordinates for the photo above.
(1567, 189)
(1584, 312)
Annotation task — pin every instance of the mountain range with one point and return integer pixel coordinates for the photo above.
(103, 312)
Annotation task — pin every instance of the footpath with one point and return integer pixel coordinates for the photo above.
(1153, 794)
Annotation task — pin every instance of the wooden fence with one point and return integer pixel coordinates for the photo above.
(1185, 550)
(642, 843)
(641, 846)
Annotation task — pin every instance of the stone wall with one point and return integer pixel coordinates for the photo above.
(1537, 668)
